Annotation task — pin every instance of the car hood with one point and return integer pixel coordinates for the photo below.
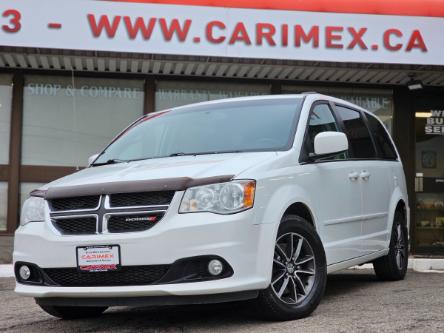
(200, 166)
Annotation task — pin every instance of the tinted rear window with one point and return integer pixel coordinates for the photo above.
(382, 139)
(357, 133)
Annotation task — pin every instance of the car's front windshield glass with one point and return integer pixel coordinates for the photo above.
(233, 126)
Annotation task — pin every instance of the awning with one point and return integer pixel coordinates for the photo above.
(210, 67)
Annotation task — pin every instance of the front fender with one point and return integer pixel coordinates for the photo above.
(270, 209)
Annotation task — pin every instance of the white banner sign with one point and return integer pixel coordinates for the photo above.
(221, 32)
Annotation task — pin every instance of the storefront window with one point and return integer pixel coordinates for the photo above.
(5, 117)
(3, 205)
(172, 93)
(379, 102)
(65, 120)
(429, 181)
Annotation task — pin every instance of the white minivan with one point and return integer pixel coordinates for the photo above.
(255, 198)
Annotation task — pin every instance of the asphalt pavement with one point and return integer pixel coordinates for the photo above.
(355, 301)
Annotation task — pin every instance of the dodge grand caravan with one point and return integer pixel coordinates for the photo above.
(239, 199)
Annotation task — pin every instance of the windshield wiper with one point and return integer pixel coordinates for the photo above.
(111, 161)
(179, 154)
(205, 153)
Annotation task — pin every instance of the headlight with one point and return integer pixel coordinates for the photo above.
(33, 210)
(223, 198)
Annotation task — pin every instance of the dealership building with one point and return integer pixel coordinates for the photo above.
(75, 73)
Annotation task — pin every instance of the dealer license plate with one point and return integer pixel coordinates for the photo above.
(98, 258)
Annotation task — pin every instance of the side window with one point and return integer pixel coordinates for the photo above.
(321, 120)
(381, 138)
(358, 135)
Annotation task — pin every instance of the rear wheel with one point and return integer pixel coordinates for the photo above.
(393, 266)
(73, 312)
(299, 272)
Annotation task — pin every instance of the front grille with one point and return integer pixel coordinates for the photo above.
(133, 222)
(125, 276)
(141, 199)
(77, 203)
(76, 225)
(113, 213)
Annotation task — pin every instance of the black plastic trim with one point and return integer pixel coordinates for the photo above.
(149, 300)
(185, 270)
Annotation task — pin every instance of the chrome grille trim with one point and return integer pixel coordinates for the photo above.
(67, 217)
(108, 215)
(75, 210)
(102, 213)
(107, 205)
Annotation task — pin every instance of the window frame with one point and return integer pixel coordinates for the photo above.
(391, 142)
(304, 153)
(364, 119)
(379, 156)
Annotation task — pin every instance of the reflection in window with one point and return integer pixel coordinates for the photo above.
(172, 93)
(226, 127)
(63, 125)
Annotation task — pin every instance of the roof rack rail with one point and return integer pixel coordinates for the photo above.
(309, 92)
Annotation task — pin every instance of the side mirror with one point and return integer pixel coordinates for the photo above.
(329, 144)
(92, 158)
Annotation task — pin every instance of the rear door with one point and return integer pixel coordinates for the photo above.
(375, 179)
(376, 229)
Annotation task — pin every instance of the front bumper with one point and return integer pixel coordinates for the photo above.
(246, 246)
(149, 300)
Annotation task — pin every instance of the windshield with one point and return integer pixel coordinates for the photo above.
(237, 126)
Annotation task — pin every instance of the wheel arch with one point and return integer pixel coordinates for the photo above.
(302, 210)
(402, 208)
(398, 203)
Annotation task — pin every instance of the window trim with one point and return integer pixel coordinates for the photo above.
(303, 154)
(392, 143)
(364, 118)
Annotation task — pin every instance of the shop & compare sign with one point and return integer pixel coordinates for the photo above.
(204, 30)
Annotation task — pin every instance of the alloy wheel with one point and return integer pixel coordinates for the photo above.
(294, 268)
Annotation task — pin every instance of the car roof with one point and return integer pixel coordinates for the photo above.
(312, 96)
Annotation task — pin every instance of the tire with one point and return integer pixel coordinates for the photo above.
(73, 312)
(393, 266)
(292, 302)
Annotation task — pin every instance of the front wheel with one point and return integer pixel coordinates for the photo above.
(73, 312)
(299, 272)
(393, 266)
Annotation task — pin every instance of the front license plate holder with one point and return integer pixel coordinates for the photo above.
(98, 258)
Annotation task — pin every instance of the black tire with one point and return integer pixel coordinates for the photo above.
(73, 312)
(288, 307)
(389, 268)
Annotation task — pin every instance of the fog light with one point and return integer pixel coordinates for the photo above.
(25, 272)
(215, 267)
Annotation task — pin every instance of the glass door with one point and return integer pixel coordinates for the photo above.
(429, 182)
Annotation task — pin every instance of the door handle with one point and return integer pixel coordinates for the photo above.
(365, 175)
(353, 176)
